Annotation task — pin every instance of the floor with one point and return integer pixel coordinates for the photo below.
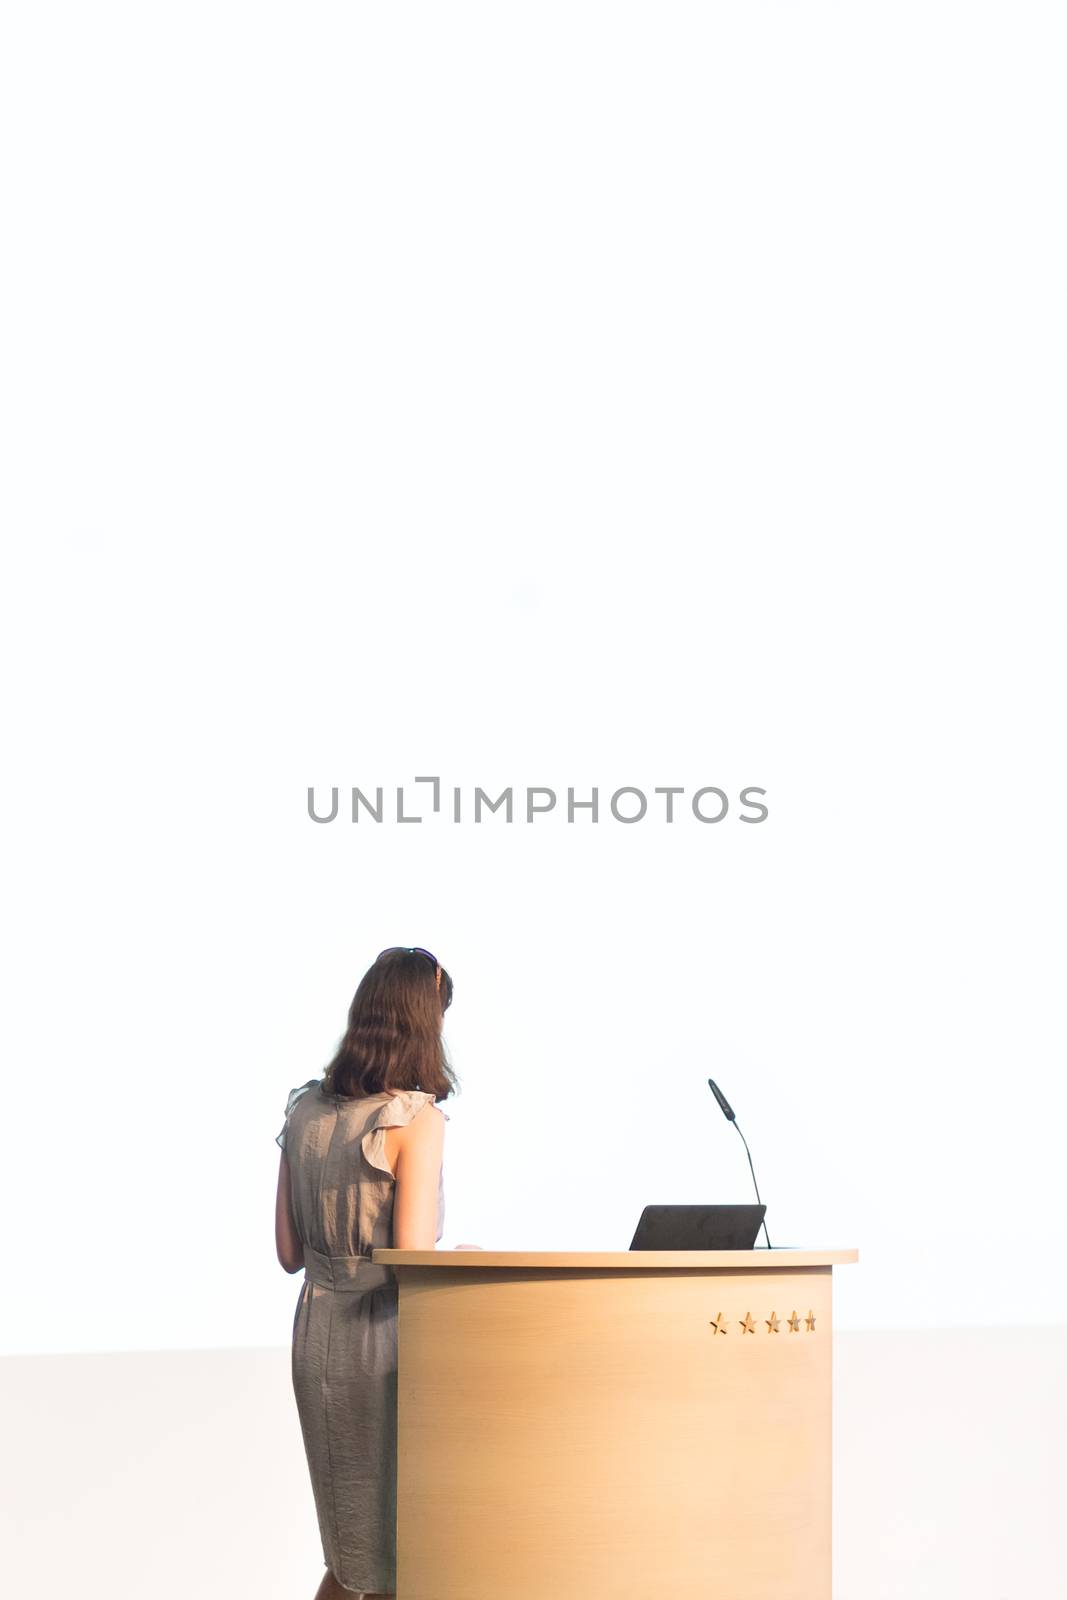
(950, 1462)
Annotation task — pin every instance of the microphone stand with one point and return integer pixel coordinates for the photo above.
(728, 1112)
(755, 1185)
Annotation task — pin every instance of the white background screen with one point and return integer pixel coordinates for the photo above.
(566, 397)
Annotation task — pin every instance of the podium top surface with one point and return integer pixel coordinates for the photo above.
(619, 1260)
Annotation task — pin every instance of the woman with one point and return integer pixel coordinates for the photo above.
(362, 1167)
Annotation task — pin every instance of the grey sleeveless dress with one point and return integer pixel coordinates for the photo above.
(344, 1341)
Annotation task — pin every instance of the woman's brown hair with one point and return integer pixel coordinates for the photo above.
(393, 1039)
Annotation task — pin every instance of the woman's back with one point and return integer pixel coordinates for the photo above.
(342, 1152)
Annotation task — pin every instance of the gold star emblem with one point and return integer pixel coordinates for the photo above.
(747, 1323)
(810, 1320)
(772, 1322)
(719, 1323)
(794, 1323)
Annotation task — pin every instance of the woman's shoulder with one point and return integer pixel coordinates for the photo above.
(294, 1098)
(409, 1102)
(299, 1092)
(414, 1102)
(390, 1125)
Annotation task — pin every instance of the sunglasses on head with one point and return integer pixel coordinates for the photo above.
(417, 950)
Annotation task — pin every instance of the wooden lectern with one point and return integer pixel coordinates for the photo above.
(619, 1426)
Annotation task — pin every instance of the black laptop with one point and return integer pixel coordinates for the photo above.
(698, 1228)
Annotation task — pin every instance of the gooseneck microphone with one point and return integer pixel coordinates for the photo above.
(728, 1113)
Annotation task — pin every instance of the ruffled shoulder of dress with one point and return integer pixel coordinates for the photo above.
(392, 1113)
(294, 1096)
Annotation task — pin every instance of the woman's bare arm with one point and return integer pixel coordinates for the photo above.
(287, 1241)
(418, 1178)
